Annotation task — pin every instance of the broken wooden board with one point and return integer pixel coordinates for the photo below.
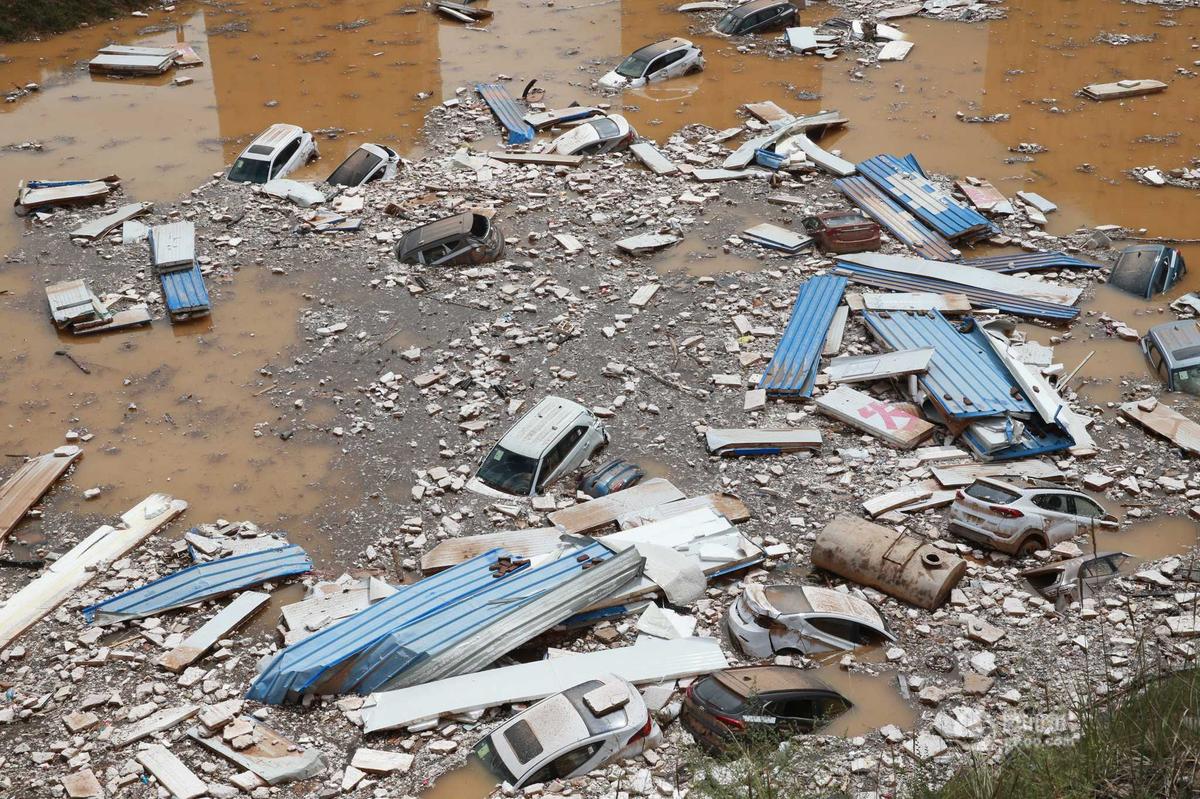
(910, 301)
(164, 719)
(980, 193)
(1163, 420)
(939, 499)
(898, 423)
(195, 645)
(643, 295)
(128, 317)
(833, 164)
(727, 505)
(863, 368)
(652, 158)
(544, 159)
(895, 50)
(101, 227)
(114, 64)
(170, 772)
(272, 757)
(76, 569)
(309, 614)
(29, 482)
(714, 175)
(902, 496)
(29, 198)
(756, 441)
(602, 512)
(1121, 89)
(961, 476)
(837, 331)
(767, 111)
(71, 301)
(524, 543)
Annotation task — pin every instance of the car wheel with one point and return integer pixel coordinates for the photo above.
(1030, 545)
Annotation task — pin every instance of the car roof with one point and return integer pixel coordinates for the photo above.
(1179, 341)
(746, 9)
(814, 599)
(541, 426)
(747, 680)
(658, 48)
(439, 229)
(1136, 267)
(1034, 486)
(273, 137)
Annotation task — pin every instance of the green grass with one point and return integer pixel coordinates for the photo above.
(22, 19)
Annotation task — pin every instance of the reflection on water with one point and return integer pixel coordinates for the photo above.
(877, 702)
(1149, 540)
(469, 781)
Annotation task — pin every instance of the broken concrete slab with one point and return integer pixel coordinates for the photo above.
(171, 773)
(898, 423)
(195, 645)
(1163, 420)
(271, 756)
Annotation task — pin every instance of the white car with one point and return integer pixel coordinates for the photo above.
(599, 135)
(1018, 520)
(666, 59)
(369, 162)
(570, 734)
(552, 439)
(766, 620)
(274, 153)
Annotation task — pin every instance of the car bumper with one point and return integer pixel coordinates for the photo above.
(477, 486)
(613, 81)
(710, 734)
(978, 535)
(752, 638)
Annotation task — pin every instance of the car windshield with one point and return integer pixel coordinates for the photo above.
(486, 754)
(250, 169)
(729, 23)
(354, 169)
(507, 471)
(605, 127)
(991, 493)
(1135, 271)
(632, 67)
(718, 696)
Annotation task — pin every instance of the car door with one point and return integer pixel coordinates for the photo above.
(283, 161)
(1097, 571)
(565, 765)
(836, 633)
(1088, 514)
(563, 456)
(1059, 522)
(667, 66)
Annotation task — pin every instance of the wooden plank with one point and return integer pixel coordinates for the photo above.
(939, 499)
(77, 568)
(767, 111)
(29, 198)
(916, 301)
(905, 495)
(727, 505)
(714, 175)
(164, 719)
(863, 368)
(895, 51)
(981, 194)
(29, 482)
(526, 543)
(720, 440)
(1163, 420)
(128, 317)
(652, 158)
(171, 773)
(960, 476)
(936, 454)
(195, 645)
(271, 756)
(831, 163)
(569, 243)
(643, 295)
(898, 423)
(98, 228)
(837, 331)
(1121, 89)
(544, 159)
(602, 512)
(647, 242)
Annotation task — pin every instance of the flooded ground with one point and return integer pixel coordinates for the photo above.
(877, 702)
(1150, 540)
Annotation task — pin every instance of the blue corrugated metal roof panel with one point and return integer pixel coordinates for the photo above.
(965, 378)
(507, 112)
(793, 367)
(905, 181)
(900, 223)
(184, 292)
(200, 582)
(1029, 262)
(340, 656)
(1039, 439)
(980, 298)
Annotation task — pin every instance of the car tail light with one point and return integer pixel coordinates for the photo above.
(959, 494)
(645, 730)
(730, 721)
(1008, 513)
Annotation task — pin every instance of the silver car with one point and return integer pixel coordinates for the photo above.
(766, 620)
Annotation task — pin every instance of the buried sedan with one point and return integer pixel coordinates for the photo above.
(767, 620)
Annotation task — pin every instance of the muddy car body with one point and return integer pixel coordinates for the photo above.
(774, 619)
(843, 232)
(370, 162)
(1147, 269)
(1076, 578)
(1019, 520)
(757, 16)
(596, 136)
(778, 700)
(666, 59)
(274, 153)
(459, 240)
(1173, 351)
(570, 734)
(552, 439)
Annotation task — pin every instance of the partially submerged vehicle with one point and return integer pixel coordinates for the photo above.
(570, 734)
(552, 439)
(779, 700)
(368, 163)
(1076, 578)
(274, 153)
(616, 475)
(596, 136)
(843, 231)
(1021, 520)
(757, 16)
(1147, 269)
(669, 58)
(466, 238)
(770, 619)
(1173, 350)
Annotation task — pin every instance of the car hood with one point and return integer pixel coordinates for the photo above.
(483, 489)
(613, 80)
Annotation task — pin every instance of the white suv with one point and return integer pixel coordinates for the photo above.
(666, 59)
(274, 153)
(1010, 518)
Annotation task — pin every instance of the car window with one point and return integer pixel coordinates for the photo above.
(1085, 507)
(564, 765)
(987, 492)
(730, 23)
(605, 127)
(1100, 567)
(632, 67)
(662, 62)
(561, 450)
(284, 156)
(524, 743)
(356, 169)
(250, 169)
(507, 471)
(791, 708)
(1187, 380)
(845, 629)
(1055, 503)
(712, 692)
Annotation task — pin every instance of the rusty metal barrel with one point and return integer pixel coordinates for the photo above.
(896, 563)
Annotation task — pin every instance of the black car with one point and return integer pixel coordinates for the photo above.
(1147, 269)
(780, 701)
(757, 16)
(466, 238)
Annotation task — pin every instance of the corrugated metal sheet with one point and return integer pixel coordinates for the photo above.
(1029, 262)
(900, 223)
(507, 112)
(1039, 438)
(72, 300)
(980, 298)
(965, 379)
(184, 292)
(200, 582)
(905, 181)
(172, 245)
(379, 642)
(793, 367)
(26, 485)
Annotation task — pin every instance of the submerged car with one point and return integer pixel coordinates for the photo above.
(666, 59)
(772, 619)
(757, 16)
(570, 734)
(843, 232)
(274, 153)
(1019, 520)
(616, 475)
(781, 700)
(599, 135)
(369, 162)
(1076, 578)
(552, 439)
(1173, 350)
(466, 238)
(1147, 269)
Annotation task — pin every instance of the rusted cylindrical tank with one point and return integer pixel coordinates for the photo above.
(895, 563)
